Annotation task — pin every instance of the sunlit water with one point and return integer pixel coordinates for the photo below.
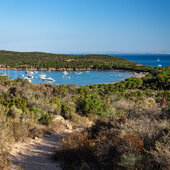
(73, 77)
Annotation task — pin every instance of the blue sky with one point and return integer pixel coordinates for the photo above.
(92, 26)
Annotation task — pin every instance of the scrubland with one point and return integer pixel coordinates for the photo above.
(130, 129)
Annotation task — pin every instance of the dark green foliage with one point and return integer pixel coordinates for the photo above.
(47, 60)
(160, 80)
(18, 102)
(92, 105)
(46, 118)
(67, 109)
(41, 116)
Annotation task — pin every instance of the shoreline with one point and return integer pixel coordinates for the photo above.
(70, 69)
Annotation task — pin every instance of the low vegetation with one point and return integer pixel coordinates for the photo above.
(131, 121)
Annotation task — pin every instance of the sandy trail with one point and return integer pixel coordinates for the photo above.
(36, 154)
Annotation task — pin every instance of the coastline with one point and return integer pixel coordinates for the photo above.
(136, 74)
(69, 69)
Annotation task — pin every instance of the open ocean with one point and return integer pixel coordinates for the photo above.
(147, 59)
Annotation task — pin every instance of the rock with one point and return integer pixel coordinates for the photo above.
(68, 125)
(36, 138)
(59, 118)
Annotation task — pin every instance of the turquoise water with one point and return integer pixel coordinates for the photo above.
(95, 77)
(74, 77)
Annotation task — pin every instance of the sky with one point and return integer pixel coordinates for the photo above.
(85, 26)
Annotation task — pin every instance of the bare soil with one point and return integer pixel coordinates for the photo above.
(36, 154)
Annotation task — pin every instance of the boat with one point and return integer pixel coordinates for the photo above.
(30, 76)
(29, 72)
(3, 74)
(63, 76)
(159, 65)
(41, 76)
(28, 79)
(158, 59)
(22, 75)
(48, 79)
(78, 73)
(65, 73)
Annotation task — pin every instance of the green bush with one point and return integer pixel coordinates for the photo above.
(41, 116)
(56, 101)
(67, 109)
(46, 118)
(93, 105)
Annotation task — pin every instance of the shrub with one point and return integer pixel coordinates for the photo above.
(128, 160)
(41, 116)
(92, 105)
(46, 118)
(161, 152)
(56, 101)
(67, 109)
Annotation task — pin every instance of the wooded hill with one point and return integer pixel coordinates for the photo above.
(26, 60)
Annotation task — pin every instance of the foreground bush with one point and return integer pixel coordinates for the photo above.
(131, 142)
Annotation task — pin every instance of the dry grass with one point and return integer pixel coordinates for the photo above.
(161, 152)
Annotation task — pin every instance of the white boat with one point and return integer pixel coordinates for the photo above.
(159, 65)
(78, 73)
(26, 78)
(4, 74)
(22, 75)
(30, 76)
(158, 59)
(48, 79)
(69, 77)
(65, 73)
(42, 76)
(29, 72)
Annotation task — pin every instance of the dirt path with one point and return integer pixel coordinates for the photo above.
(36, 154)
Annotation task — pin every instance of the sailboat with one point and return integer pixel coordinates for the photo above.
(42, 76)
(158, 59)
(65, 73)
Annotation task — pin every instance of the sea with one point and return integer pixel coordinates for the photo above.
(147, 59)
(92, 77)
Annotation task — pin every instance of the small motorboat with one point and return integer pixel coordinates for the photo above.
(78, 73)
(29, 72)
(48, 79)
(159, 65)
(41, 76)
(28, 79)
(30, 76)
(3, 74)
